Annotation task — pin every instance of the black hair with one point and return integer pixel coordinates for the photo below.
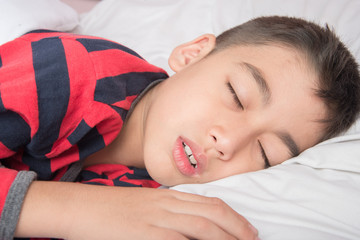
(338, 73)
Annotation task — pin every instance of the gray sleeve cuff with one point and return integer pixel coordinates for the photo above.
(13, 204)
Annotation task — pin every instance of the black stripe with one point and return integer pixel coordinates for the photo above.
(53, 90)
(0, 62)
(87, 175)
(40, 165)
(114, 89)
(90, 143)
(92, 45)
(121, 111)
(139, 173)
(81, 130)
(2, 108)
(120, 183)
(14, 131)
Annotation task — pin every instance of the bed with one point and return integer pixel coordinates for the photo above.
(313, 196)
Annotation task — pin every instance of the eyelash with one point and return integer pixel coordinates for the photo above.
(239, 104)
(236, 99)
(263, 154)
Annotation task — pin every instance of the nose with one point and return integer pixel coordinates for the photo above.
(227, 142)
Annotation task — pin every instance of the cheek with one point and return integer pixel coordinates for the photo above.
(238, 165)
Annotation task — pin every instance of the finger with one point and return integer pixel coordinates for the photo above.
(191, 197)
(163, 233)
(228, 219)
(195, 227)
(218, 212)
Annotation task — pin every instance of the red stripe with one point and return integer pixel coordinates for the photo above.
(81, 106)
(108, 63)
(125, 104)
(5, 152)
(143, 182)
(110, 170)
(7, 178)
(60, 173)
(107, 182)
(83, 79)
(113, 171)
(14, 162)
(139, 182)
(64, 159)
(36, 36)
(82, 87)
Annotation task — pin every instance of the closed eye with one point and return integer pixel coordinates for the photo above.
(235, 97)
(263, 154)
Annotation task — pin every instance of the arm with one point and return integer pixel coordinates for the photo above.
(80, 211)
(13, 187)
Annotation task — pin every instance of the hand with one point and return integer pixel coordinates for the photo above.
(98, 212)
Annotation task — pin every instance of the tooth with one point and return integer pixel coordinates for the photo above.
(189, 154)
(192, 160)
(187, 150)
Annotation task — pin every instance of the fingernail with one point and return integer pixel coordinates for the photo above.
(253, 229)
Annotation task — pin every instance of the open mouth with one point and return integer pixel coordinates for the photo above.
(189, 158)
(189, 155)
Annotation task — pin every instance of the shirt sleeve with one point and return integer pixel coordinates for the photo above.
(15, 131)
(20, 120)
(14, 134)
(13, 188)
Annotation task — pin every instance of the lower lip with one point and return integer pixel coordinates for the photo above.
(182, 162)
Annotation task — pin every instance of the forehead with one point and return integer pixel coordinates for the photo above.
(277, 64)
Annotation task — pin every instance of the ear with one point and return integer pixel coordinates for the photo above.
(191, 52)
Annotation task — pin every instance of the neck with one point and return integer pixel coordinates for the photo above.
(127, 148)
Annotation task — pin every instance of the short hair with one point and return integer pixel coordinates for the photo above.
(337, 70)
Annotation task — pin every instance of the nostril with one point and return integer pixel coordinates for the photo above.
(221, 153)
(215, 139)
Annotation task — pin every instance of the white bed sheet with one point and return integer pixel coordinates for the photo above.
(313, 196)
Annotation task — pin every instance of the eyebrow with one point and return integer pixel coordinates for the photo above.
(285, 137)
(289, 142)
(260, 80)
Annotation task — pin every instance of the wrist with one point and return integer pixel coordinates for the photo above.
(47, 210)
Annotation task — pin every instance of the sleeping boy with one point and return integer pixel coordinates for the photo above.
(83, 109)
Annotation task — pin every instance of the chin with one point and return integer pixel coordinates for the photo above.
(168, 182)
(161, 179)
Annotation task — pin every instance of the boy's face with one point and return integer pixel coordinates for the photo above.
(230, 110)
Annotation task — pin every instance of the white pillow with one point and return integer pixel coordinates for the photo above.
(292, 201)
(151, 28)
(20, 16)
(313, 196)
